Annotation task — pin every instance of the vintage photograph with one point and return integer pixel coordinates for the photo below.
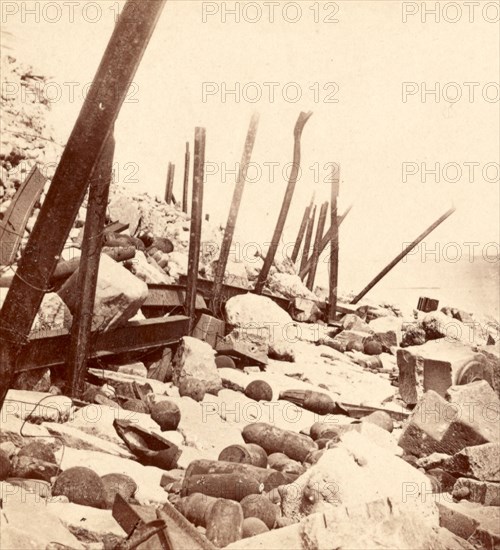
(249, 275)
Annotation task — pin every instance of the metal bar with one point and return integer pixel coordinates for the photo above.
(187, 160)
(195, 230)
(69, 184)
(235, 207)
(17, 215)
(324, 242)
(89, 268)
(46, 349)
(170, 183)
(334, 250)
(307, 243)
(315, 253)
(302, 230)
(273, 247)
(401, 255)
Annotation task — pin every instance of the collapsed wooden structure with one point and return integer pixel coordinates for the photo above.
(87, 161)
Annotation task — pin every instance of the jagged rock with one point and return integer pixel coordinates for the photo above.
(381, 419)
(117, 484)
(53, 314)
(5, 465)
(492, 365)
(195, 358)
(438, 325)
(37, 406)
(119, 294)
(482, 492)
(33, 468)
(136, 369)
(166, 414)
(351, 321)
(124, 210)
(251, 312)
(39, 450)
(136, 405)
(147, 271)
(439, 426)
(33, 380)
(481, 462)
(413, 335)
(81, 486)
(289, 285)
(162, 369)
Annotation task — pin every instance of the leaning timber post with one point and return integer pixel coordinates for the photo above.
(334, 250)
(324, 242)
(187, 160)
(234, 209)
(195, 230)
(69, 184)
(169, 190)
(273, 247)
(302, 230)
(307, 243)
(81, 327)
(315, 254)
(402, 254)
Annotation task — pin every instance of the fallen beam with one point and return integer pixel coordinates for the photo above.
(48, 348)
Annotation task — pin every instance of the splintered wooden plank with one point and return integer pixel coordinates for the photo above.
(14, 222)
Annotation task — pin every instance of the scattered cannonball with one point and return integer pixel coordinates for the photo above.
(372, 347)
(147, 238)
(192, 387)
(5, 465)
(117, 484)
(163, 244)
(135, 405)
(224, 362)
(166, 414)
(355, 346)
(38, 450)
(252, 527)
(259, 506)
(259, 390)
(381, 419)
(81, 486)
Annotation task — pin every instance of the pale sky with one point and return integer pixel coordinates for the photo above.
(363, 61)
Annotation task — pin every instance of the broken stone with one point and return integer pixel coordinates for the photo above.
(413, 335)
(195, 358)
(147, 270)
(162, 370)
(5, 465)
(481, 462)
(119, 294)
(81, 486)
(135, 405)
(252, 344)
(492, 365)
(37, 406)
(443, 482)
(53, 314)
(33, 468)
(124, 209)
(166, 414)
(305, 311)
(34, 380)
(38, 450)
(136, 369)
(117, 484)
(381, 419)
(439, 325)
(193, 388)
(482, 492)
(209, 329)
(439, 426)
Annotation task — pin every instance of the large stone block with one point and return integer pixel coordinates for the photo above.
(119, 295)
(481, 462)
(196, 359)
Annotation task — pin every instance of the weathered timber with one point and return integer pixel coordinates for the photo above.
(334, 250)
(273, 247)
(307, 243)
(89, 268)
(185, 187)
(234, 209)
(316, 249)
(96, 119)
(170, 183)
(302, 230)
(196, 220)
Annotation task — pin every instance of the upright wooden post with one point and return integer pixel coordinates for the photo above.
(88, 269)
(170, 183)
(187, 160)
(196, 220)
(325, 241)
(233, 212)
(302, 230)
(401, 255)
(315, 255)
(307, 242)
(273, 247)
(101, 107)
(334, 250)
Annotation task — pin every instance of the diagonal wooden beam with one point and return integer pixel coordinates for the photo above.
(316, 248)
(302, 230)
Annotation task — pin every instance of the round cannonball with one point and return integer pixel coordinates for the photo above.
(115, 484)
(81, 486)
(259, 390)
(192, 387)
(224, 362)
(252, 527)
(372, 347)
(355, 346)
(166, 414)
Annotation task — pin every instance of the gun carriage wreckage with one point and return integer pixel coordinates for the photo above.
(193, 334)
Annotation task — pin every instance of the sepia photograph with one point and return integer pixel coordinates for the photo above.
(249, 275)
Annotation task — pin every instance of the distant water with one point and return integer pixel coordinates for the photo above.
(473, 286)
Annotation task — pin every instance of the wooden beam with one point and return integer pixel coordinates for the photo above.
(334, 250)
(315, 254)
(234, 209)
(185, 195)
(401, 255)
(302, 230)
(196, 222)
(273, 247)
(89, 268)
(101, 107)
(307, 243)
(170, 183)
